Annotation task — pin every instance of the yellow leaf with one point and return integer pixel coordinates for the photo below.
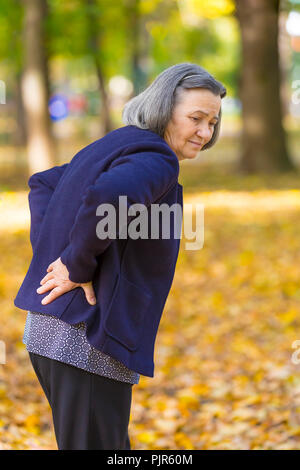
(289, 316)
(147, 437)
(183, 440)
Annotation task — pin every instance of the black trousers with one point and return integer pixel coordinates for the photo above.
(90, 411)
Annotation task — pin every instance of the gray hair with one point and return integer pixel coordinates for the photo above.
(152, 108)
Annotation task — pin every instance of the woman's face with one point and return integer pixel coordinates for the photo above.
(192, 123)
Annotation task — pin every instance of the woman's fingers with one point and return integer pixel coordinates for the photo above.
(55, 281)
(56, 292)
(47, 286)
(89, 292)
(47, 278)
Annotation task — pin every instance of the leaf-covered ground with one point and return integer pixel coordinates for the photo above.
(224, 375)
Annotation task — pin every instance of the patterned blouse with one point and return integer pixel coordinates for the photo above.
(49, 336)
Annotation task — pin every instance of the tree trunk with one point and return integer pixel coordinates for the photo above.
(263, 139)
(94, 42)
(107, 124)
(138, 44)
(20, 136)
(35, 85)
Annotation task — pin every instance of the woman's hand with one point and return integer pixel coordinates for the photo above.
(58, 280)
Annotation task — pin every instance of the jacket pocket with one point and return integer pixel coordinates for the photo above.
(124, 318)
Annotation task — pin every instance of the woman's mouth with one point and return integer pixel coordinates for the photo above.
(195, 143)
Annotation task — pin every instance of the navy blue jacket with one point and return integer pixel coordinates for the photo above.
(131, 277)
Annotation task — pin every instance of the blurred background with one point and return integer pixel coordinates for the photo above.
(224, 377)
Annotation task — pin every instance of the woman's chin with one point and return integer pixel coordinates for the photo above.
(191, 155)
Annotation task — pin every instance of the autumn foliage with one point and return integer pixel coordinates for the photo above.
(224, 375)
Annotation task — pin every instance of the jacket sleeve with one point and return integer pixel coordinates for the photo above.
(143, 177)
(42, 186)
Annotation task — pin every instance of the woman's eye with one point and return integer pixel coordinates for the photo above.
(198, 119)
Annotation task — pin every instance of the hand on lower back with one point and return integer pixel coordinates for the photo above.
(57, 281)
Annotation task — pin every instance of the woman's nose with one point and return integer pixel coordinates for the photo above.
(204, 133)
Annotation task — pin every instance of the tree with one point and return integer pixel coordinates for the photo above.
(11, 13)
(138, 43)
(263, 140)
(35, 87)
(94, 43)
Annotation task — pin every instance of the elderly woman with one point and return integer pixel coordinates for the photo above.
(94, 303)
